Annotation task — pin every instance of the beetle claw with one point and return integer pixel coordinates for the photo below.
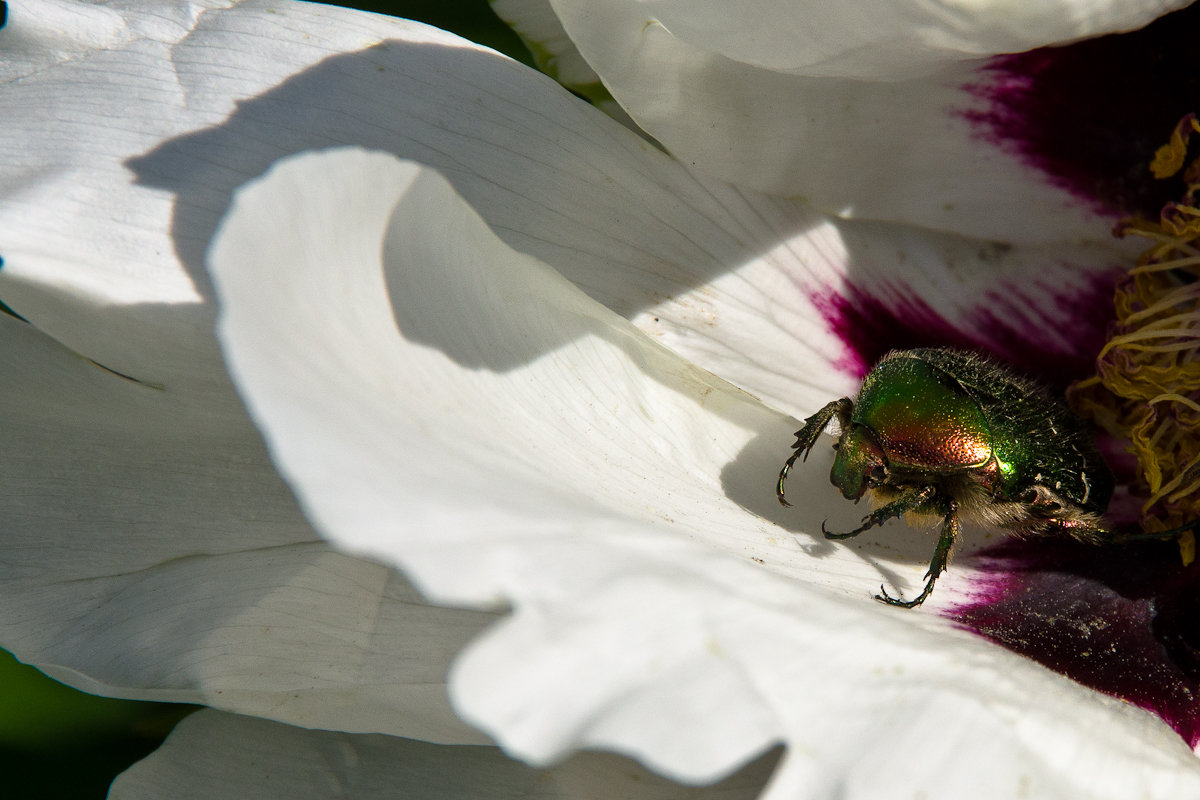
(849, 534)
(886, 598)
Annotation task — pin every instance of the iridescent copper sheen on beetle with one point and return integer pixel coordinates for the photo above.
(946, 432)
(921, 419)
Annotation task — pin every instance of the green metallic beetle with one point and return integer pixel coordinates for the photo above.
(947, 433)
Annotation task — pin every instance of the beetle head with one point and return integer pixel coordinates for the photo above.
(860, 463)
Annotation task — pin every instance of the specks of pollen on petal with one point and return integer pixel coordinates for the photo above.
(1146, 389)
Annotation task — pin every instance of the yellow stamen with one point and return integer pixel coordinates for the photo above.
(1147, 383)
(1168, 159)
(1187, 547)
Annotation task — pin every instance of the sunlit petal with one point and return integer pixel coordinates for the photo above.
(866, 110)
(444, 402)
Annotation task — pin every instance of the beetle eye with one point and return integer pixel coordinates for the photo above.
(876, 476)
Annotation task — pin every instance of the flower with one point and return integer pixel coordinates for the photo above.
(895, 111)
(481, 336)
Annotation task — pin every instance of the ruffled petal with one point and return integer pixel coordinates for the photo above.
(152, 552)
(878, 40)
(444, 402)
(502, 380)
(871, 113)
(212, 754)
(110, 198)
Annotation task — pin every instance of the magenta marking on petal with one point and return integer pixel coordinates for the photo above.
(1090, 115)
(1124, 620)
(1050, 333)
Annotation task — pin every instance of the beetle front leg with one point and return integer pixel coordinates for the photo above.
(941, 557)
(807, 436)
(906, 502)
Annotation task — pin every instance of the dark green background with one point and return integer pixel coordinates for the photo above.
(56, 742)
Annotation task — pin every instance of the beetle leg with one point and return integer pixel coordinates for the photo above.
(941, 556)
(1153, 536)
(787, 465)
(899, 507)
(807, 436)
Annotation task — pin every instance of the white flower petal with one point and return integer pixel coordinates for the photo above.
(499, 367)
(899, 147)
(174, 88)
(102, 247)
(40, 34)
(794, 323)
(867, 703)
(442, 401)
(211, 754)
(875, 40)
(101, 213)
(151, 551)
(121, 494)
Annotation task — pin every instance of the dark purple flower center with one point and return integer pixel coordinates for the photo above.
(1090, 115)
(890, 316)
